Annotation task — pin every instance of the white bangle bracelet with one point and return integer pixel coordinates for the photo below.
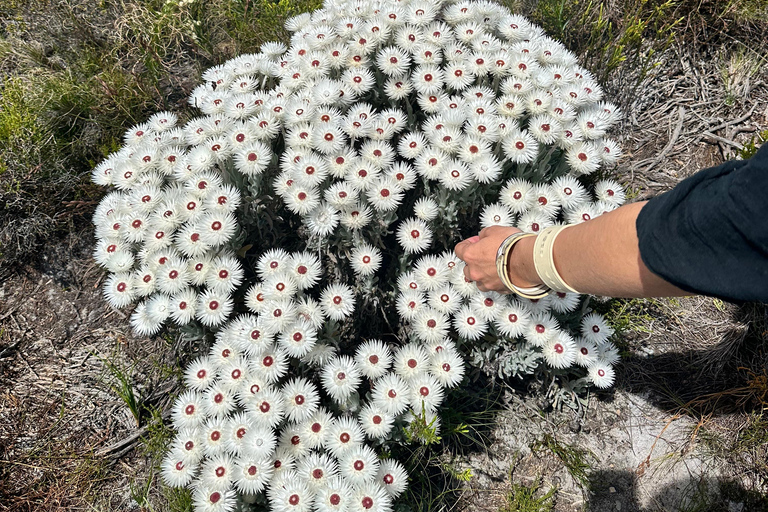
(544, 259)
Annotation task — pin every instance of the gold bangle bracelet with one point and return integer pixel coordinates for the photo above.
(502, 262)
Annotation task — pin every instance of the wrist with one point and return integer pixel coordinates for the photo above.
(520, 266)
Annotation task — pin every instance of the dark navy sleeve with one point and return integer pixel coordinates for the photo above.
(709, 235)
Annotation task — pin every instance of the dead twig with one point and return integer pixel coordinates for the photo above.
(717, 138)
(672, 139)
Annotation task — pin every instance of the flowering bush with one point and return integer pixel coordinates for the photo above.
(304, 224)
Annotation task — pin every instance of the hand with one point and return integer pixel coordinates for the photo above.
(479, 254)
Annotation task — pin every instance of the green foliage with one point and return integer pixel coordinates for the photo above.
(627, 315)
(147, 490)
(746, 11)
(122, 386)
(75, 87)
(612, 41)
(751, 147)
(525, 498)
(576, 460)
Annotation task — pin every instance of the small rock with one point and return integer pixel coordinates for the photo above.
(611, 489)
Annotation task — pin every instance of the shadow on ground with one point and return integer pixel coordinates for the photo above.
(619, 490)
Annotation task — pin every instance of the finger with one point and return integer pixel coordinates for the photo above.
(460, 249)
(482, 287)
(466, 274)
(483, 232)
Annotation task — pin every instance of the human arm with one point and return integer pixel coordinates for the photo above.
(599, 257)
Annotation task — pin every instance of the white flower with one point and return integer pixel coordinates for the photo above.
(301, 399)
(373, 358)
(340, 377)
(520, 147)
(200, 374)
(251, 474)
(298, 339)
(236, 428)
(271, 364)
(583, 158)
(534, 221)
(342, 435)
(444, 299)
(595, 329)
(292, 496)
(177, 470)
(569, 191)
(224, 350)
(316, 470)
(469, 324)
(315, 429)
(224, 275)
(447, 367)
(337, 301)
(610, 151)
(414, 235)
(607, 353)
(581, 213)
(305, 268)
(322, 220)
(430, 325)
(283, 464)
(341, 195)
(411, 145)
(542, 327)
(370, 496)
(410, 361)
(560, 351)
(206, 499)
(384, 194)
(279, 286)
(302, 200)
(602, 375)
(213, 436)
(610, 192)
(279, 315)
(546, 200)
(390, 392)
(118, 289)
(213, 308)
(565, 302)
(359, 465)
(426, 393)
(430, 273)
(219, 400)
(365, 259)
(376, 423)
(255, 299)
(426, 209)
(143, 323)
(187, 410)
(259, 442)
(267, 408)
(517, 195)
(586, 353)
(357, 217)
(496, 214)
(334, 496)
